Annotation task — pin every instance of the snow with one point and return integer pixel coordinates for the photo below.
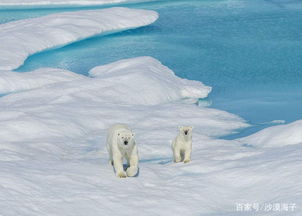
(151, 78)
(142, 80)
(15, 81)
(22, 38)
(65, 2)
(53, 138)
(276, 136)
(54, 160)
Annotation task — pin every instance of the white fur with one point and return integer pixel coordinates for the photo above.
(117, 135)
(182, 145)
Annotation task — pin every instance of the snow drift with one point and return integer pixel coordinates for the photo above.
(276, 136)
(142, 80)
(22, 38)
(149, 78)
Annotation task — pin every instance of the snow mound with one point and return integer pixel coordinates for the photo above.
(276, 136)
(15, 81)
(65, 2)
(146, 76)
(141, 81)
(22, 38)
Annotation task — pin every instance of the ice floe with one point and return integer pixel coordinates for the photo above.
(22, 38)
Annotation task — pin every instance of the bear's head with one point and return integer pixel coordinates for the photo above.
(186, 130)
(125, 138)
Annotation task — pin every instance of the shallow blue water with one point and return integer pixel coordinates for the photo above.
(250, 52)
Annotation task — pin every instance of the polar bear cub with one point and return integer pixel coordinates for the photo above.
(182, 145)
(120, 145)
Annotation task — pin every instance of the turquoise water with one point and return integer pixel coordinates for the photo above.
(250, 52)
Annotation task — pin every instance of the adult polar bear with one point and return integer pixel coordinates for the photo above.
(120, 145)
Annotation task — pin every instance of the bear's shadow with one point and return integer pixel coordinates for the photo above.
(161, 161)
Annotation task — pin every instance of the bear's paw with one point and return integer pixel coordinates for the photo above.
(121, 175)
(131, 171)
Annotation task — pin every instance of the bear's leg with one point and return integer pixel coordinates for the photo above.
(187, 156)
(118, 166)
(110, 161)
(133, 168)
(176, 154)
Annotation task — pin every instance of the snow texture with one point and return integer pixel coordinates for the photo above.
(53, 140)
(15, 81)
(22, 38)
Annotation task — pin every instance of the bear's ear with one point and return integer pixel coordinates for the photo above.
(180, 127)
(191, 127)
(118, 134)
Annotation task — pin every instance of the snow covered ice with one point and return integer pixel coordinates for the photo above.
(277, 136)
(63, 124)
(151, 78)
(13, 81)
(53, 125)
(54, 159)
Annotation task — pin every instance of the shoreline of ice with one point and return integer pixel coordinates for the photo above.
(22, 38)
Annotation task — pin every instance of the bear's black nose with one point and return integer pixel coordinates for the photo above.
(126, 142)
(186, 132)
